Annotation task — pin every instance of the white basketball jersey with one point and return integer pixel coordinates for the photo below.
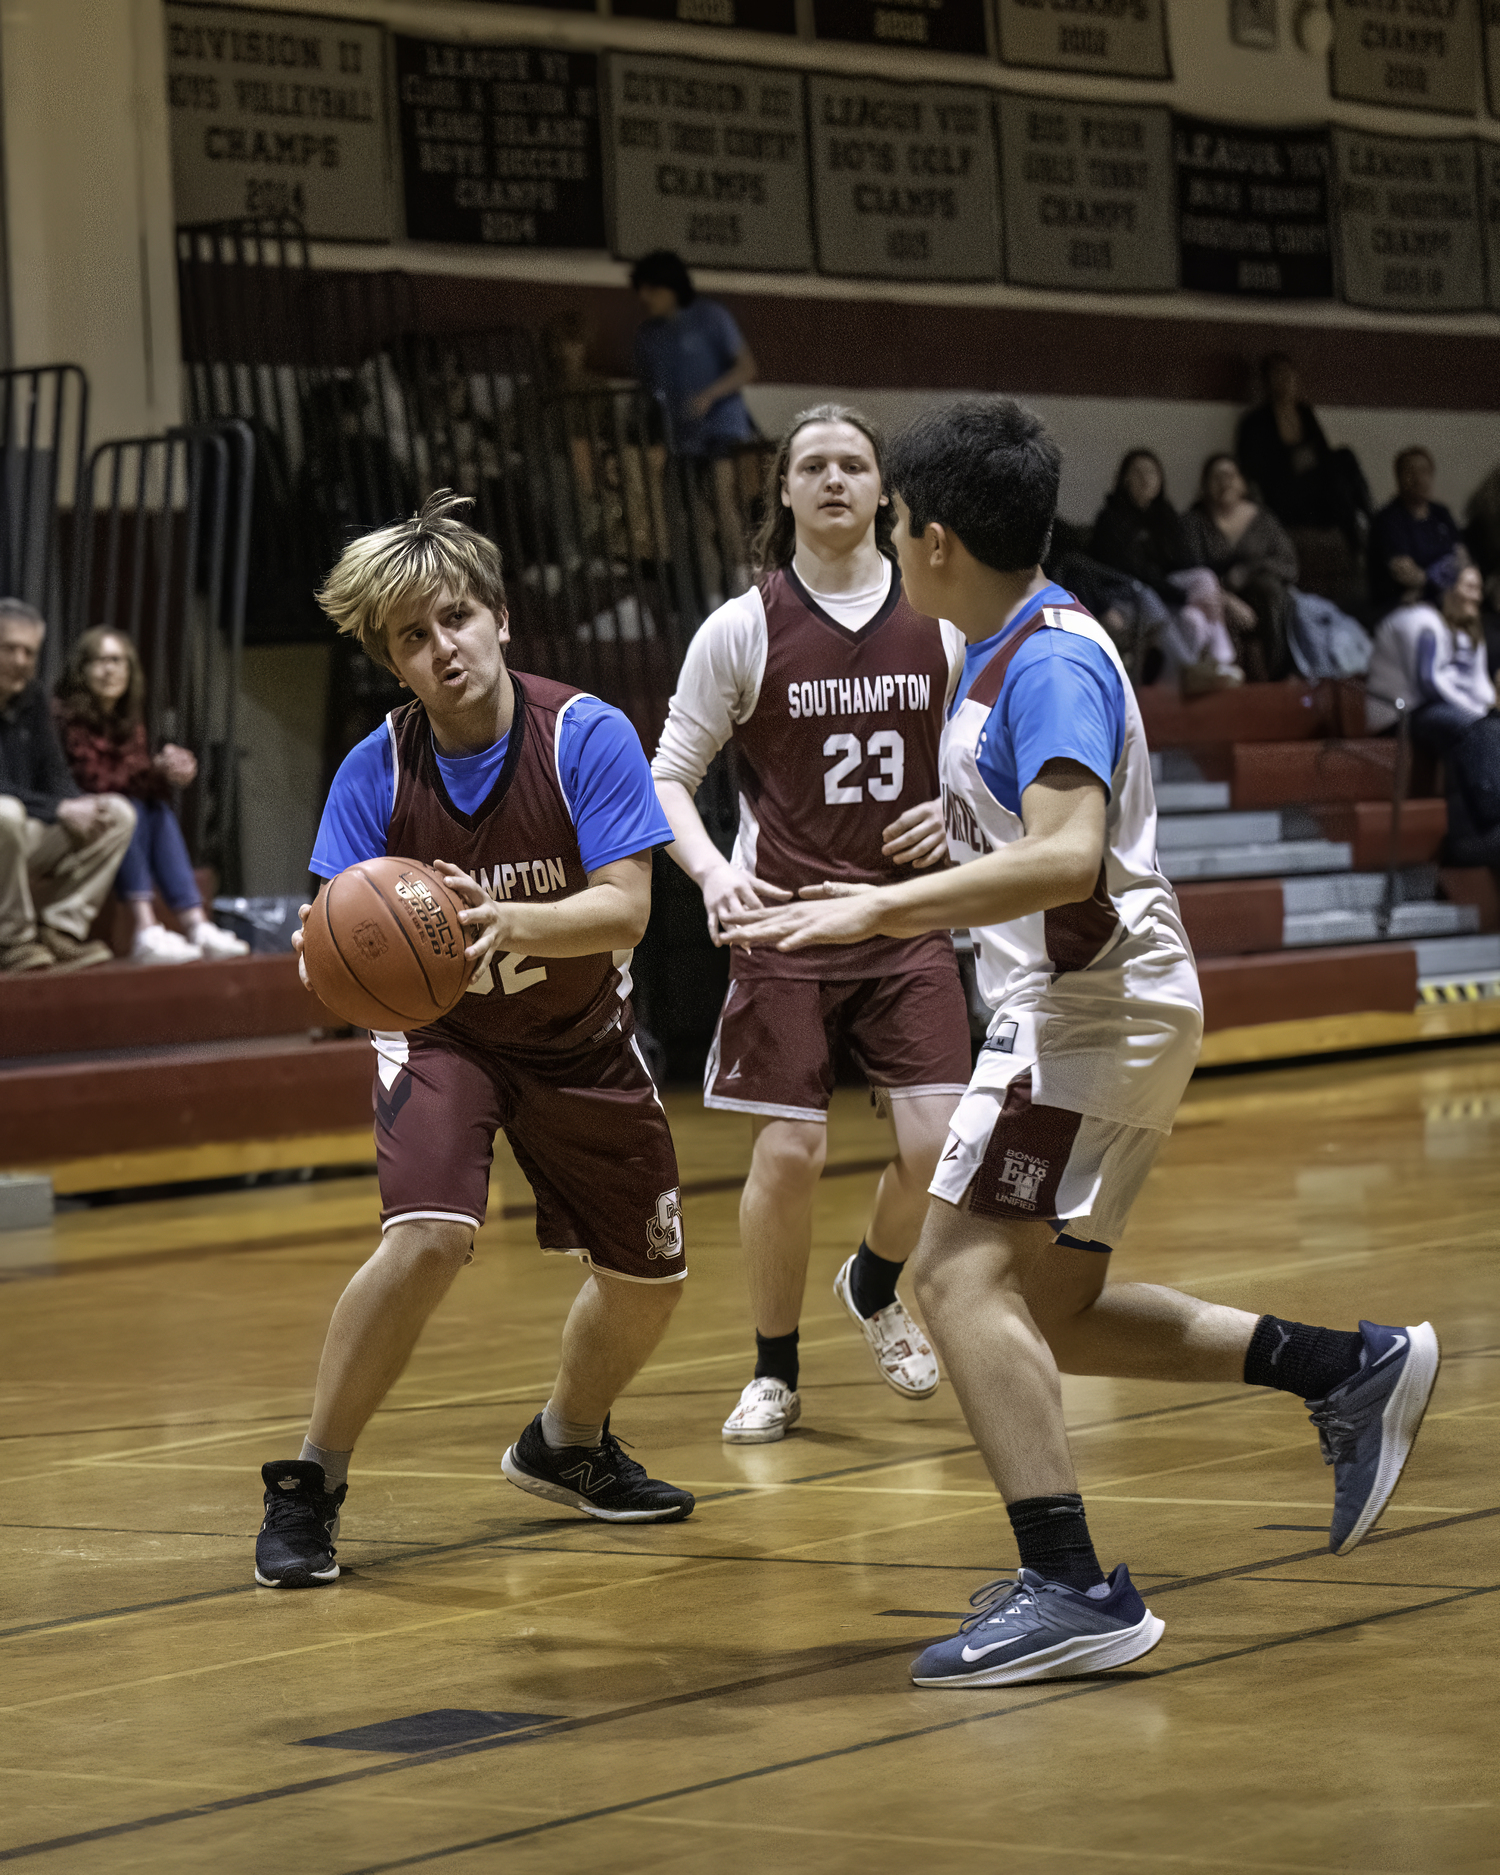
(1103, 995)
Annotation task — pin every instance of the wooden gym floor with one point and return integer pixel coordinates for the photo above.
(731, 1692)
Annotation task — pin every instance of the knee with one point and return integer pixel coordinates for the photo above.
(792, 1153)
(119, 819)
(431, 1248)
(917, 1159)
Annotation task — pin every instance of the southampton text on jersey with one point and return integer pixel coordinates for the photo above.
(536, 878)
(858, 696)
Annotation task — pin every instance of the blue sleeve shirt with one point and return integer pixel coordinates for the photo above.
(606, 783)
(1062, 699)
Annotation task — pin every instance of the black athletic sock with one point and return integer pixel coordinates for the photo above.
(1052, 1535)
(776, 1358)
(1298, 1359)
(872, 1281)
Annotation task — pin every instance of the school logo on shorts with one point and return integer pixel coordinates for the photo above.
(664, 1232)
(1021, 1179)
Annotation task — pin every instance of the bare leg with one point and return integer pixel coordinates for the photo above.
(376, 1323)
(921, 1123)
(611, 1331)
(1131, 1331)
(786, 1162)
(971, 1282)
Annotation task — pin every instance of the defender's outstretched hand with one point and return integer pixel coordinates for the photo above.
(841, 914)
(728, 892)
(919, 837)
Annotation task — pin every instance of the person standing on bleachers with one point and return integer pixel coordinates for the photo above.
(100, 709)
(1301, 477)
(59, 849)
(1409, 534)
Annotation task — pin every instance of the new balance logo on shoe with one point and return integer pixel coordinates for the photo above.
(582, 1478)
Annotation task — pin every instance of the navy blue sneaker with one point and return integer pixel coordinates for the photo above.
(295, 1548)
(1034, 1629)
(1369, 1423)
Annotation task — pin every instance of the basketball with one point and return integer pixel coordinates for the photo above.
(384, 946)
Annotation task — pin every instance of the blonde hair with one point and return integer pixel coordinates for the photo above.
(411, 562)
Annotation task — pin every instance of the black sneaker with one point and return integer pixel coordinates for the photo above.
(596, 1479)
(295, 1547)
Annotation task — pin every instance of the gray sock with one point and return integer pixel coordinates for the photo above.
(558, 1432)
(335, 1464)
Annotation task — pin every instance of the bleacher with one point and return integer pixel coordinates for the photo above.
(1321, 920)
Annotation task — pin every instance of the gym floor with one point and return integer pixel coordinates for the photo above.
(492, 1685)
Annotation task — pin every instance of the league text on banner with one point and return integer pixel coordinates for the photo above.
(279, 114)
(1087, 192)
(904, 180)
(1408, 223)
(1126, 38)
(710, 160)
(500, 144)
(935, 25)
(1420, 53)
(756, 16)
(1253, 210)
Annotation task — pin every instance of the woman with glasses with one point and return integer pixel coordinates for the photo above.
(101, 719)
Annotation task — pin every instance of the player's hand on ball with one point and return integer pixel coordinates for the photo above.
(482, 915)
(299, 943)
(840, 914)
(728, 891)
(918, 838)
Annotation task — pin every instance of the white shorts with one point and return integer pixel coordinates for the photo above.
(1007, 1157)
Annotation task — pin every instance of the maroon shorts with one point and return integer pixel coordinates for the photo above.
(774, 1049)
(586, 1127)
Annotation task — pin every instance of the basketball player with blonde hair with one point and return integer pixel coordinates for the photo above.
(830, 687)
(535, 803)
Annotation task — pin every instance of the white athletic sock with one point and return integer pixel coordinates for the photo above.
(558, 1432)
(335, 1464)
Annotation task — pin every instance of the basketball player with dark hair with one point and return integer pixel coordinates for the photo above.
(1095, 1030)
(536, 805)
(830, 687)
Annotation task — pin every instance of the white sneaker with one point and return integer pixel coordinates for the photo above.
(902, 1352)
(157, 945)
(768, 1409)
(214, 941)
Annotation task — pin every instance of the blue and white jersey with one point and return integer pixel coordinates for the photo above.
(1103, 995)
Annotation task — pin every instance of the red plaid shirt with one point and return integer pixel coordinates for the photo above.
(101, 765)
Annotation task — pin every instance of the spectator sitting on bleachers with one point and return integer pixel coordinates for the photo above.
(1250, 554)
(1286, 458)
(1408, 535)
(101, 713)
(58, 849)
(1138, 532)
(1431, 660)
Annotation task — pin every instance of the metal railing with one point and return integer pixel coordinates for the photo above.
(163, 532)
(44, 413)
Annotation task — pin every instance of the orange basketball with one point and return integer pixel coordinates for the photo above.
(384, 947)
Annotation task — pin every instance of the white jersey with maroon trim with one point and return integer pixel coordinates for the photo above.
(1103, 995)
(835, 731)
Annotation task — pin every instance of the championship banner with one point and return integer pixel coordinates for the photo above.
(1087, 192)
(1125, 38)
(710, 160)
(1420, 53)
(1253, 214)
(756, 16)
(1409, 227)
(500, 144)
(904, 180)
(1489, 200)
(279, 114)
(934, 25)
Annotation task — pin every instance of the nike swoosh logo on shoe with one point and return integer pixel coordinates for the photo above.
(972, 1654)
(1395, 1348)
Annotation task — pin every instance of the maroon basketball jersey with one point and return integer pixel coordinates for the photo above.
(520, 841)
(842, 741)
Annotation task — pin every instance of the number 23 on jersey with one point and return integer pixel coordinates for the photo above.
(885, 749)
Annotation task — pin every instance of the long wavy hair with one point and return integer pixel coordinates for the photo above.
(79, 702)
(775, 539)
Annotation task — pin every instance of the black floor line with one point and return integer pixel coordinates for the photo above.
(619, 1715)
